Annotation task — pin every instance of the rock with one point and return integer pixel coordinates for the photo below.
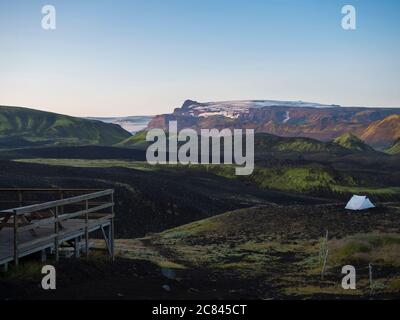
(166, 288)
(168, 273)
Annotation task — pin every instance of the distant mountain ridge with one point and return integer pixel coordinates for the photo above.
(23, 127)
(387, 129)
(132, 124)
(234, 109)
(378, 127)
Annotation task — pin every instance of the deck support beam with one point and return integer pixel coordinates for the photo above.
(107, 240)
(110, 242)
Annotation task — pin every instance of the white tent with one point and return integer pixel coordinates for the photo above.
(359, 203)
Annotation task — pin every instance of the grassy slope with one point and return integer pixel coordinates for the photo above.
(263, 142)
(269, 142)
(35, 126)
(279, 247)
(395, 149)
(317, 180)
(352, 142)
(137, 141)
(314, 180)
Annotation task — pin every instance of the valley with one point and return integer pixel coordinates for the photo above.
(200, 231)
(219, 153)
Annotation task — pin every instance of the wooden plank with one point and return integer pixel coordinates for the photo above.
(48, 190)
(64, 217)
(37, 224)
(41, 240)
(61, 235)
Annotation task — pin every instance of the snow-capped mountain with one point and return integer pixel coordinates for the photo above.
(233, 109)
(376, 126)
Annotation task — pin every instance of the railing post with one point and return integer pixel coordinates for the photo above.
(62, 198)
(56, 231)
(16, 251)
(87, 229)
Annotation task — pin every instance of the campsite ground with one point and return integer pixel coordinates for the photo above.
(265, 252)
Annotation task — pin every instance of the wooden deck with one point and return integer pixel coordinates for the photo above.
(23, 231)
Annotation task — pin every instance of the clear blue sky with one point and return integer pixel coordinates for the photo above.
(147, 56)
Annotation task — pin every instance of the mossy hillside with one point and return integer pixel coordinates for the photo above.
(285, 254)
(34, 125)
(351, 142)
(263, 143)
(137, 141)
(308, 179)
(270, 143)
(395, 149)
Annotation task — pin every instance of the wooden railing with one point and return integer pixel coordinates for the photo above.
(89, 207)
(26, 196)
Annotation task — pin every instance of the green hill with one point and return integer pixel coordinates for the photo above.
(352, 142)
(395, 149)
(271, 143)
(21, 127)
(137, 141)
(264, 142)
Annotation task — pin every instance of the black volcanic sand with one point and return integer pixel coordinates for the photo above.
(124, 279)
(307, 222)
(150, 201)
(127, 279)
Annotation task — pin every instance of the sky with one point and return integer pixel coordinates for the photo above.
(145, 57)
